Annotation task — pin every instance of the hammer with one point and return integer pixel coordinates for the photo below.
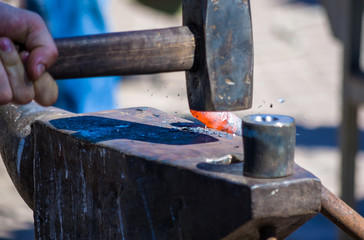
(214, 46)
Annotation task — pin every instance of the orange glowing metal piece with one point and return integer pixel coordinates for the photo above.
(222, 121)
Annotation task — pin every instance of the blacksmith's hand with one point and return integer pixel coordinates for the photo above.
(23, 75)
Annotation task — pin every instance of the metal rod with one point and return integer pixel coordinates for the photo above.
(341, 214)
(125, 53)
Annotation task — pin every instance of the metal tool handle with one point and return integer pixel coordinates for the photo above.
(125, 53)
(341, 214)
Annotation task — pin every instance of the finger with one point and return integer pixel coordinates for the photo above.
(22, 88)
(6, 95)
(43, 50)
(46, 90)
(28, 28)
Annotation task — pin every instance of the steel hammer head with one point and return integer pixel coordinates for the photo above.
(222, 76)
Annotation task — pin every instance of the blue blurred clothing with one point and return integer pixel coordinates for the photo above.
(67, 18)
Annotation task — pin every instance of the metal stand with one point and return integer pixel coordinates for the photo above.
(346, 21)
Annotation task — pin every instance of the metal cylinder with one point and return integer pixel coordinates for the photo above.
(269, 143)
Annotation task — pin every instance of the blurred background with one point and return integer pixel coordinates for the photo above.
(297, 72)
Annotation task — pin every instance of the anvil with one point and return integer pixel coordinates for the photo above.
(140, 173)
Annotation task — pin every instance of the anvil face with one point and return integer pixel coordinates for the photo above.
(140, 173)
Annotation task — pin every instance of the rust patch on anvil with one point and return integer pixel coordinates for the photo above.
(150, 134)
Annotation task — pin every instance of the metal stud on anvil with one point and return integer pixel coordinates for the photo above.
(269, 143)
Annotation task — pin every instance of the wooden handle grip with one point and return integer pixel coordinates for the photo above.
(125, 53)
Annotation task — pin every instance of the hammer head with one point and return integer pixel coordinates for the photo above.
(222, 76)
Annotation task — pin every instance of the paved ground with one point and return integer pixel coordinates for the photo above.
(296, 60)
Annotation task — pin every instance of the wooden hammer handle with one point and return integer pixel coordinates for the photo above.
(125, 53)
(341, 214)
